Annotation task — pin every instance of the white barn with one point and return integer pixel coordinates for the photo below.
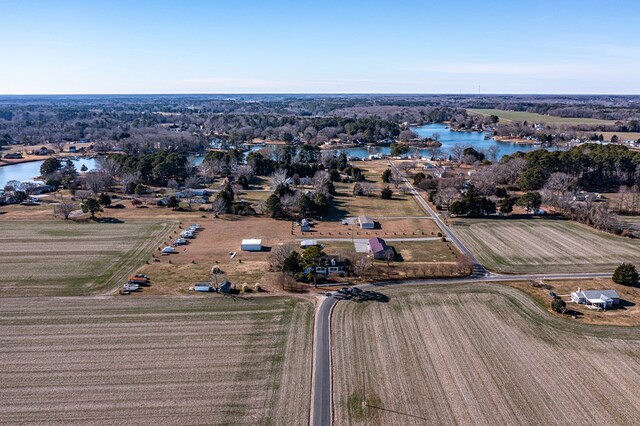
(252, 244)
(366, 222)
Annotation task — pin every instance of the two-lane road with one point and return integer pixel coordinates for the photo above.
(321, 404)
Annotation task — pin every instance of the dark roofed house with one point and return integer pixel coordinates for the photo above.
(379, 248)
(330, 265)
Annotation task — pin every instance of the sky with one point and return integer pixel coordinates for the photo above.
(323, 46)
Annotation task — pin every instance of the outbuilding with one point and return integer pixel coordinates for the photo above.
(204, 287)
(308, 243)
(379, 248)
(252, 244)
(366, 222)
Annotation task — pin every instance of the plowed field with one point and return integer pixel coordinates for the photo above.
(489, 355)
(544, 246)
(63, 258)
(209, 360)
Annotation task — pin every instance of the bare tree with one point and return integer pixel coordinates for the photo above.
(279, 177)
(492, 152)
(98, 181)
(173, 184)
(278, 255)
(192, 182)
(83, 194)
(109, 166)
(64, 209)
(457, 152)
(59, 145)
(561, 183)
(218, 206)
(129, 181)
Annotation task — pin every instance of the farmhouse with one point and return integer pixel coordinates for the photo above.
(601, 299)
(330, 265)
(379, 248)
(301, 181)
(252, 244)
(366, 222)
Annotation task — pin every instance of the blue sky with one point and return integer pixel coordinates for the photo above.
(140, 46)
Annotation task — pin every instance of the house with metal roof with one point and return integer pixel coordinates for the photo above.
(598, 299)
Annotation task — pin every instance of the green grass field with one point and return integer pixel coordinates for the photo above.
(64, 258)
(346, 204)
(544, 246)
(425, 251)
(535, 118)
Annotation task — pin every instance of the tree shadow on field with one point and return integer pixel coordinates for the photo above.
(108, 220)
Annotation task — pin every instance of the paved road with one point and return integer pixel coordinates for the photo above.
(321, 404)
(478, 268)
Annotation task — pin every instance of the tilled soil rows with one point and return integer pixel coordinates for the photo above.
(489, 355)
(537, 246)
(154, 361)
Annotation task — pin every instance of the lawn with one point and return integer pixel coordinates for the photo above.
(155, 360)
(64, 258)
(425, 251)
(544, 246)
(348, 205)
(530, 117)
(478, 355)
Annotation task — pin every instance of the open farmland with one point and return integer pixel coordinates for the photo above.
(155, 361)
(531, 117)
(544, 245)
(64, 258)
(478, 355)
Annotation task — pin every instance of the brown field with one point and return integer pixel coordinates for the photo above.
(387, 227)
(544, 245)
(478, 355)
(155, 361)
(628, 314)
(212, 246)
(64, 258)
(521, 116)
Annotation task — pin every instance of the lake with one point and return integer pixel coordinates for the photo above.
(30, 170)
(448, 139)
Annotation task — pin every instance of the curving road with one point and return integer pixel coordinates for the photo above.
(321, 404)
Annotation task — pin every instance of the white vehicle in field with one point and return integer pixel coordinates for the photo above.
(168, 250)
(130, 287)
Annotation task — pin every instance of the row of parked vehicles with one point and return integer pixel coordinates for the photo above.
(183, 240)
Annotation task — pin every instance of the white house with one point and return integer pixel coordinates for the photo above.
(366, 222)
(252, 244)
(601, 299)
